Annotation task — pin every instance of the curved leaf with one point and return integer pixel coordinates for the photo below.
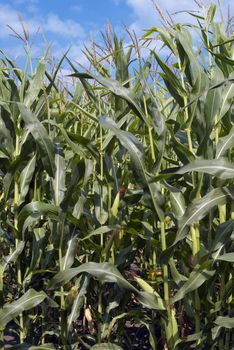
(28, 301)
(106, 273)
(200, 207)
(220, 168)
(34, 210)
(106, 346)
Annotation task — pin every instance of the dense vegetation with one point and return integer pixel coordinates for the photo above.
(116, 195)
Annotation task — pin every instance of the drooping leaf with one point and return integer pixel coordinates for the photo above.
(28, 301)
(220, 168)
(47, 346)
(106, 346)
(106, 273)
(32, 211)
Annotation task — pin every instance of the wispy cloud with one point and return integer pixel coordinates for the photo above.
(76, 8)
(146, 14)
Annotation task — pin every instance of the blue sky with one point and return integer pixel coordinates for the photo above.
(68, 23)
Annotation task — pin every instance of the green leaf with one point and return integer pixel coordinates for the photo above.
(222, 321)
(227, 95)
(171, 80)
(71, 251)
(212, 104)
(117, 89)
(6, 144)
(78, 302)
(195, 280)
(225, 143)
(225, 321)
(100, 231)
(199, 208)
(106, 273)
(36, 84)
(41, 137)
(222, 235)
(26, 177)
(59, 181)
(28, 301)
(32, 211)
(136, 151)
(229, 257)
(32, 347)
(148, 289)
(177, 203)
(106, 346)
(220, 168)
(13, 256)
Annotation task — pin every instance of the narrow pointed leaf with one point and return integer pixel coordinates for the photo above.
(136, 151)
(59, 182)
(78, 302)
(195, 280)
(198, 209)
(71, 250)
(36, 84)
(41, 137)
(14, 255)
(225, 143)
(26, 177)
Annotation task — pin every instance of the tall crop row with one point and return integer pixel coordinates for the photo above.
(116, 196)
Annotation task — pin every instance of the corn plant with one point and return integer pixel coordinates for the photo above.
(116, 197)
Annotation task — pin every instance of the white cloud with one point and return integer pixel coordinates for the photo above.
(9, 17)
(146, 15)
(52, 23)
(67, 28)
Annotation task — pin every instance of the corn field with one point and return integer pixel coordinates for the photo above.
(117, 194)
